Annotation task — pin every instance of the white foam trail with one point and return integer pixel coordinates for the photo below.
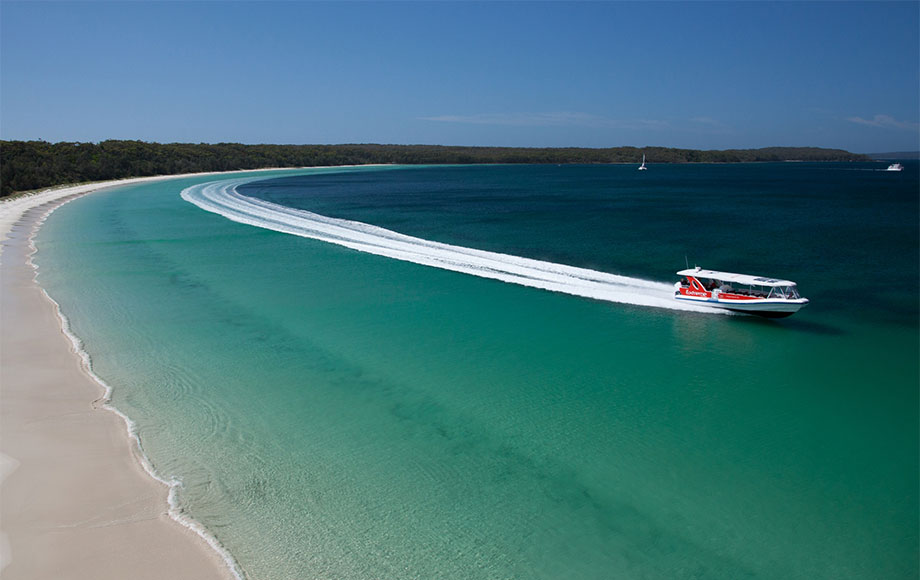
(222, 197)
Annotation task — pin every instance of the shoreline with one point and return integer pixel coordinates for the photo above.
(80, 498)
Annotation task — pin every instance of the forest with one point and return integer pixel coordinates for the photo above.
(29, 165)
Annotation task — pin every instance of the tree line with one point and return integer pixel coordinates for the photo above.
(28, 165)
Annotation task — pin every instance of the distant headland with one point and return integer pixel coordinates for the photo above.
(27, 165)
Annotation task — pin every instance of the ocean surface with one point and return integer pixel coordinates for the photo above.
(475, 372)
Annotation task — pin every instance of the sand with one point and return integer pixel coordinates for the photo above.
(76, 501)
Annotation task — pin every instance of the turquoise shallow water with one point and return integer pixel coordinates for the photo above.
(335, 414)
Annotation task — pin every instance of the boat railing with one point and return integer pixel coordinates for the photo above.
(725, 288)
(782, 292)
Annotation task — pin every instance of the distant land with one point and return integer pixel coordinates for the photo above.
(896, 155)
(28, 165)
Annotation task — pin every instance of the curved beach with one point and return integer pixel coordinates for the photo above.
(343, 414)
(77, 502)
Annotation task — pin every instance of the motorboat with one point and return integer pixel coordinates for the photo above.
(895, 167)
(758, 295)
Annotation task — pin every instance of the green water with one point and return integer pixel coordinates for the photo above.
(334, 414)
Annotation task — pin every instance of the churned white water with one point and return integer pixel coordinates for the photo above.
(222, 197)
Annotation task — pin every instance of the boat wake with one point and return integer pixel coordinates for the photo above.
(222, 197)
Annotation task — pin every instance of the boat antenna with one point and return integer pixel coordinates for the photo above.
(686, 261)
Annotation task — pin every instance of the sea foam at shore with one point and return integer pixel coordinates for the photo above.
(337, 413)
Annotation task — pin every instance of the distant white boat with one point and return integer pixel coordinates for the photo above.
(892, 167)
(644, 168)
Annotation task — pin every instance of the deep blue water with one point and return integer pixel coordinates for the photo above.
(829, 226)
(338, 414)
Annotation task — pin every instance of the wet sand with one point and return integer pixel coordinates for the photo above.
(76, 501)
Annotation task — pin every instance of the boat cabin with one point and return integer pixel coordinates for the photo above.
(709, 283)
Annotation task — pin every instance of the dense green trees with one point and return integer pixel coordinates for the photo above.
(26, 165)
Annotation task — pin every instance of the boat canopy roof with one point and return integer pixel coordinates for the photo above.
(737, 278)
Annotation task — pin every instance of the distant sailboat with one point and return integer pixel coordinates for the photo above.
(643, 167)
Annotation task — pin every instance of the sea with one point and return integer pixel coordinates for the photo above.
(479, 372)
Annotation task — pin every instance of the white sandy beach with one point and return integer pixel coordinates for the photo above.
(76, 499)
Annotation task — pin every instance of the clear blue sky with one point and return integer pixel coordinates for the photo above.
(690, 74)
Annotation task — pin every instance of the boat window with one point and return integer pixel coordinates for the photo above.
(787, 292)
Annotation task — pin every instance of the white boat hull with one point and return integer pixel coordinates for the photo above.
(767, 307)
